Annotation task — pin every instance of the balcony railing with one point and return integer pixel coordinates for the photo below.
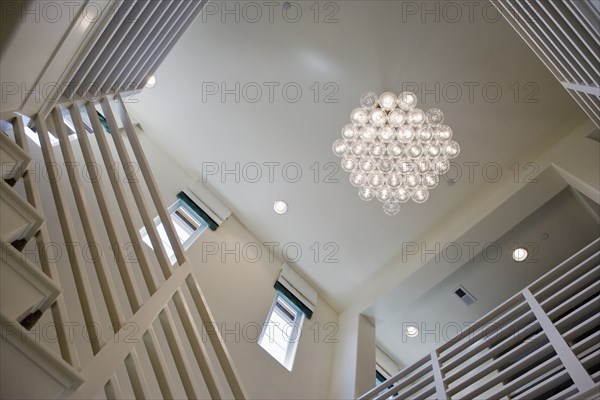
(542, 343)
(165, 338)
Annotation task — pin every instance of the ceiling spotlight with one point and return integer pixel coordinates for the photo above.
(411, 330)
(280, 207)
(151, 82)
(519, 254)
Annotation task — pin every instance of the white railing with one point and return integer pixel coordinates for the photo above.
(542, 343)
(149, 301)
(565, 35)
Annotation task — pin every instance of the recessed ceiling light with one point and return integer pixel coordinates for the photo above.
(411, 330)
(151, 82)
(280, 207)
(519, 254)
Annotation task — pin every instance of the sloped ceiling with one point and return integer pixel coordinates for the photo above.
(497, 96)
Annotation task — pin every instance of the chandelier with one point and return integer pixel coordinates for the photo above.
(394, 151)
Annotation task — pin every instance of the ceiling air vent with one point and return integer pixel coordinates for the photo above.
(464, 295)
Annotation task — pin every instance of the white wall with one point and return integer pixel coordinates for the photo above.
(240, 293)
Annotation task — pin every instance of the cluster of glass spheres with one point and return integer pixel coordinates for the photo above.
(394, 151)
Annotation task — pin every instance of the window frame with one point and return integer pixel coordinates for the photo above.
(292, 339)
(202, 225)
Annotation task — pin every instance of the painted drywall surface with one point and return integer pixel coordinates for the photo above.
(345, 367)
(577, 157)
(237, 273)
(365, 360)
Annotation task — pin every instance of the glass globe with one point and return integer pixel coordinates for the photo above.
(359, 116)
(406, 134)
(368, 100)
(394, 180)
(403, 195)
(366, 164)
(358, 148)
(375, 179)
(349, 164)
(416, 117)
(385, 165)
(396, 118)
(443, 133)
(451, 149)
(384, 194)
(412, 181)
(349, 132)
(433, 150)
(368, 133)
(378, 117)
(391, 208)
(387, 101)
(395, 150)
(340, 148)
(377, 148)
(425, 134)
(407, 101)
(386, 133)
(414, 150)
(430, 180)
(441, 165)
(366, 193)
(405, 166)
(435, 116)
(358, 179)
(423, 165)
(420, 194)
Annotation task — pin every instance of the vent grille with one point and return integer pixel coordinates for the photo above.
(564, 34)
(131, 47)
(464, 295)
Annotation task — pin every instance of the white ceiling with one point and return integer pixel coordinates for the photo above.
(377, 46)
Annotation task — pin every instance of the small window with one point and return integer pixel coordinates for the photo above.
(188, 226)
(281, 333)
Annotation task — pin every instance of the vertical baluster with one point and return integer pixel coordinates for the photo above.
(82, 283)
(112, 389)
(59, 309)
(106, 284)
(166, 320)
(104, 279)
(575, 369)
(136, 190)
(158, 363)
(131, 289)
(217, 341)
(119, 191)
(151, 182)
(440, 387)
(181, 362)
(198, 347)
